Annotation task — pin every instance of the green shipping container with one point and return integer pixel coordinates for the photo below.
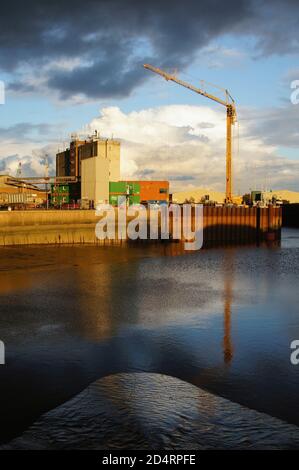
(115, 199)
(135, 188)
(134, 199)
(60, 199)
(117, 187)
(124, 187)
(60, 188)
(65, 193)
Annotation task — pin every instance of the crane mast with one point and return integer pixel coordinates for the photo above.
(231, 117)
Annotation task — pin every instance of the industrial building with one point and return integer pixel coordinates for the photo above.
(93, 163)
(14, 192)
(94, 167)
(65, 193)
(100, 163)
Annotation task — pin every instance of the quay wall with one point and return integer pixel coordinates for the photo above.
(221, 225)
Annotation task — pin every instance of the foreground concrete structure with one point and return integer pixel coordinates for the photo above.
(222, 225)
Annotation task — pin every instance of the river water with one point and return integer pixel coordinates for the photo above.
(144, 347)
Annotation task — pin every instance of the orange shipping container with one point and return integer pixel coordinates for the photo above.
(154, 190)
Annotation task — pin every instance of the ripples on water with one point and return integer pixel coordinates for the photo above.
(151, 411)
(220, 319)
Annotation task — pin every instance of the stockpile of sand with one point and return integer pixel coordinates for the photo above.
(198, 193)
(284, 194)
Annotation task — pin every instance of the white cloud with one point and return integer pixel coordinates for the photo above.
(186, 144)
(29, 144)
(182, 143)
(32, 158)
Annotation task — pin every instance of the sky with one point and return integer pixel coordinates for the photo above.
(73, 67)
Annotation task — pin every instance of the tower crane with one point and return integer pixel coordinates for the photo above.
(231, 117)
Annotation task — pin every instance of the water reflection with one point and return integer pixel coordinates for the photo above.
(221, 319)
(227, 339)
(228, 280)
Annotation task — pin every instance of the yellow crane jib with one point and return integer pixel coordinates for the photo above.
(231, 117)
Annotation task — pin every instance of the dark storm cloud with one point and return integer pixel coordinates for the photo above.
(275, 126)
(26, 131)
(113, 38)
(102, 78)
(182, 178)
